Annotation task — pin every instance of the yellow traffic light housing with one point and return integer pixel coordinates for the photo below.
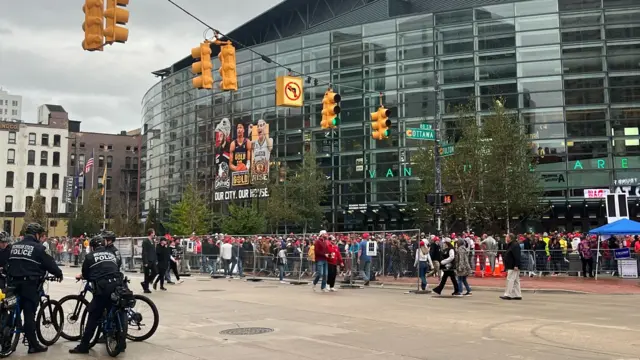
(115, 16)
(380, 123)
(202, 67)
(93, 25)
(227, 70)
(330, 110)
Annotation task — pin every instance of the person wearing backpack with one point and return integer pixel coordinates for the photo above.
(448, 267)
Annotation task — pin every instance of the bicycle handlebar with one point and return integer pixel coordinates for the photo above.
(51, 278)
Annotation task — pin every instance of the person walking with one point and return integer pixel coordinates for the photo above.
(281, 258)
(149, 260)
(512, 265)
(423, 263)
(320, 252)
(436, 255)
(448, 266)
(586, 257)
(364, 259)
(163, 255)
(463, 267)
(334, 258)
(226, 251)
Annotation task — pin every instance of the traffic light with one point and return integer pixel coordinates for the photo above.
(116, 16)
(228, 73)
(202, 67)
(380, 123)
(330, 110)
(93, 25)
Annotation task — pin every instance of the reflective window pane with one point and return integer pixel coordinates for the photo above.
(494, 12)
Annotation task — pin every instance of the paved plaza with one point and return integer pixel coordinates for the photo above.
(373, 323)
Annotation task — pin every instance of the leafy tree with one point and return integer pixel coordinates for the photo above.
(511, 187)
(89, 216)
(36, 212)
(152, 219)
(279, 207)
(124, 221)
(190, 214)
(308, 187)
(422, 163)
(243, 221)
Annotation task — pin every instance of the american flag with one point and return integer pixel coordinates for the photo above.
(89, 164)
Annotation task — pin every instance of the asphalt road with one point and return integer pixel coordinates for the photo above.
(373, 324)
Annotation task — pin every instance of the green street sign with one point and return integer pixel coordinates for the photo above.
(425, 126)
(446, 150)
(420, 134)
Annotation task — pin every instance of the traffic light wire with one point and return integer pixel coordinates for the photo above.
(269, 60)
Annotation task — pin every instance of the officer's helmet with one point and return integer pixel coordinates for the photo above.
(108, 235)
(96, 242)
(34, 229)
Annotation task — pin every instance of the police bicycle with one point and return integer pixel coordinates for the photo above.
(49, 316)
(74, 305)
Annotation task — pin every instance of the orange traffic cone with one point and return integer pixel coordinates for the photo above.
(487, 267)
(478, 272)
(499, 271)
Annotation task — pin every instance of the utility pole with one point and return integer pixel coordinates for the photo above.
(436, 151)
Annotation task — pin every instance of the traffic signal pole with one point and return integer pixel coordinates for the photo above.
(436, 150)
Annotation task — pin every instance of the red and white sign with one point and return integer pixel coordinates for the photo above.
(596, 193)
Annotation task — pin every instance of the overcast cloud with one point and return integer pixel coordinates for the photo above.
(41, 56)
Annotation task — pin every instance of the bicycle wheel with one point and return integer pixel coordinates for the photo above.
(97, 334)
(138, 329)
(117, 341)
(72, 307)
(10, 336)
(49, 322)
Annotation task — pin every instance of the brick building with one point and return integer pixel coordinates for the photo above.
(119, 153)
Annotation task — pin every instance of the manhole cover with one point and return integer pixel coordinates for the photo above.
(246, 331)
(210, 290)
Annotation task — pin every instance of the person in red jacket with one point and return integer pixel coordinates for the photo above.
(334, 258)
(321, 251)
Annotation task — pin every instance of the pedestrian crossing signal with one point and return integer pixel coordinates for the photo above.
(447, 199)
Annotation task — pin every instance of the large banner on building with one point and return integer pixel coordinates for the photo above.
(67, 190)
(242, 157)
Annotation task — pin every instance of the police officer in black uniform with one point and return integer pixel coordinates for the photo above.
(27, 265)
(100, 268)
(109, 244)
(5, 250)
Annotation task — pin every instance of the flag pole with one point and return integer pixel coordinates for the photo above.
(104, 211)
(93, 178)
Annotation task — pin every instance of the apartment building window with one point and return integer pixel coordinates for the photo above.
(28, 201)
(43, 180)
(54, 205)
(30, 178)
(9, 182)
(14, 112)
(108, 182)
(109, 147)
(101, 161)
(82, 145)
(8, 203)
(101, 146)
(109, 162)
(127, 162)
(44, 141)
(32, 138)
(31, 157)
(12, 137)
(55, 181)
(14, 103)
(56, 158)
(135, 162)
(57, 140)
(11, 156)
(128, 148)
(81, 160)
(72, 159)
(44, 158)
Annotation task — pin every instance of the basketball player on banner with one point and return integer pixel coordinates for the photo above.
(240, 153)
(261, 152)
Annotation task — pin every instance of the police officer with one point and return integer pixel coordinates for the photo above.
(5, 250)
(27, 265)
(109, 244)
(100, 268)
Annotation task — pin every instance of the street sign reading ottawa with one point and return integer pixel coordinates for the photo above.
(423, 133)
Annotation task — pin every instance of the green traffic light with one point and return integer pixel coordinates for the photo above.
(386, 133)
(335, 121)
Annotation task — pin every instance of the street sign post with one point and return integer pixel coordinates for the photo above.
(446, 150)
(420, 134)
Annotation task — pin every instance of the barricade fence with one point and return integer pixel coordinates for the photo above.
(394, 256)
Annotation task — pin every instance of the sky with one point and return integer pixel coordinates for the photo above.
(41, 56)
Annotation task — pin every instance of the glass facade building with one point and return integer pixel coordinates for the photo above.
(569, 68)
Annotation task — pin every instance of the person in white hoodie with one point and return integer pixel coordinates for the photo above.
(225, 253)
(423, 263)
(448, 267)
